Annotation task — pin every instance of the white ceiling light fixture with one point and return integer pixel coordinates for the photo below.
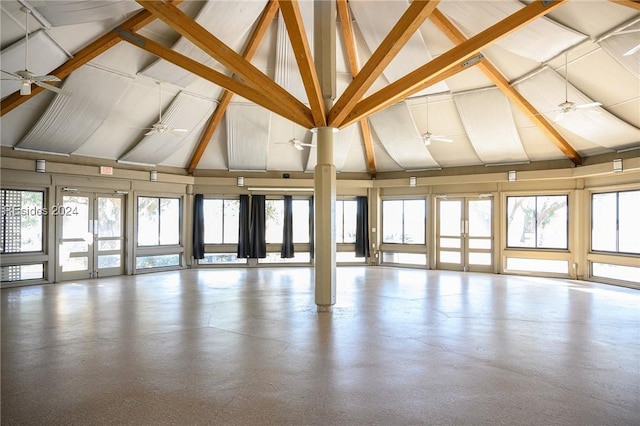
(27, 77)
(160, 127)
(568, 106)
(429, 137)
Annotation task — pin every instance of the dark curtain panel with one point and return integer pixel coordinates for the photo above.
(258, 242)
(286, 252)
(244, 232)
(312, 233)
(362, 227)
(198, 227)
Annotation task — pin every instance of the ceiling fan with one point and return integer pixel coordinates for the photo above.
(429, 137)
(160, 127)
(27, 77)
(568, 106)
(299, 145)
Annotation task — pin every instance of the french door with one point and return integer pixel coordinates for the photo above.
(91, 239)
(464, 239)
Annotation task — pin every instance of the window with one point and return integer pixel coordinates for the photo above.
(614, 222)
(157, 261)
(274, 221)
(22, 224)
(221, 221)
(537, 222)
(158, 221)
(403, 221)
(346, 216)
(301, 221)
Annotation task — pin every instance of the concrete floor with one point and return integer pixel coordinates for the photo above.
(247, 347)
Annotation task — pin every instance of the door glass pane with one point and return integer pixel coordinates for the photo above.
(106, 245)
(414, 221)
(450, 242)
(450, 257)
(479, 258)
(75, 225)
(450, 217)
(109, 217)
(480, 243)
(628, 211)
(480, 218)
(76, 264)
(109, 261)
(392, 221)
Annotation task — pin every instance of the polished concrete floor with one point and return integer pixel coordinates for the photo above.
(247, 347)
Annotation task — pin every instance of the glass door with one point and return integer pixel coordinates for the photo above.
(464, 239)
(91, 236)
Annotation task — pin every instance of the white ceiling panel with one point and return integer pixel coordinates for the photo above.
(399, 135)
(185, 112)
(486, 116)
(248, 129)
(70, 120)
(61, 12)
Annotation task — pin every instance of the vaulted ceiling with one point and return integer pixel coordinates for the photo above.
(232, 82)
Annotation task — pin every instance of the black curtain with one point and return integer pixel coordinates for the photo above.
(312, 233)
(258, 242)
(286, 252)
(198, 227)
(362, 227)
(244, 231)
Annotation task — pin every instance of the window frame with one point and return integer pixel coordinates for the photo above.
(224, 242)
(403, 243)
(535, 197)
(180, 221)
(617, 221)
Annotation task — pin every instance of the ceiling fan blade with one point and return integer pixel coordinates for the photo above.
(589, 105)
(44, 78)
(150, 132)
(16, 76)
(298, 147)
(441, 139)
(52, 88)
(179, 130)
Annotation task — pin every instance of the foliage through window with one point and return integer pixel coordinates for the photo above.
(346, 216)
(614, 222)
(158, 221)
(22, 223)
(403, 221)
(221, 218)
(537, 222)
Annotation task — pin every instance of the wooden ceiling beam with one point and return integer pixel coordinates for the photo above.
(386, 97)
(432, 72)
(634, 4)
(215, 48)
(84, 55)
(267, 16)
(417, 12)
(298, 37)
(301, 116)
(450, 30)
(352, 62)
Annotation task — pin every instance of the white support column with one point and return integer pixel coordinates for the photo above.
(325, 215)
